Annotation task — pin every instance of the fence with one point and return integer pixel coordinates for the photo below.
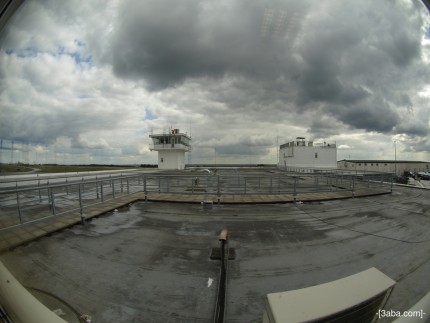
(267, 183)
(32, 203)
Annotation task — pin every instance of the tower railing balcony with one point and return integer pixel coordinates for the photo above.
(170, 147)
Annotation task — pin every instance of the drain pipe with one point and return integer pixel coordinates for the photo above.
(19, 304)
(222, 284)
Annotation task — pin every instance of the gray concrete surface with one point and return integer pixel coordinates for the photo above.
(149, 262)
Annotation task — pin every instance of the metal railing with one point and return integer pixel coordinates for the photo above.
(28, 204)
(280, 183)
(24, 205)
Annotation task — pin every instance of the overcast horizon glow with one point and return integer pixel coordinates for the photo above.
(87, 81)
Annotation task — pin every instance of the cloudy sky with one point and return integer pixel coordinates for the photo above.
(87, 81)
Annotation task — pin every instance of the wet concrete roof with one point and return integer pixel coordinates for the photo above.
(149, 262)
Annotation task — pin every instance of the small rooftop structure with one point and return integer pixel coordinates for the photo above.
(301, 154)
(171, 148)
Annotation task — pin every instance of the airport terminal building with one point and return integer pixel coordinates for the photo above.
(390, 166)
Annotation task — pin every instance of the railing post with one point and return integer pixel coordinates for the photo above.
(112, 183)
(392, 182)
(295, 187)
(335, 182)
(144, 187)
(52, 203)
(122, 189)
(97, 188)
(271, 184)
(128, 186)
(81, 205)
(83, 184)
(279, 184)
(193, 180)
(40, 194)
(49, 198)
(218, 190)
(353, 186)
(101, 191)
(19, 207)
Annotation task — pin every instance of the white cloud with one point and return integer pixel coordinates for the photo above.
(343, 147)
(87, 83)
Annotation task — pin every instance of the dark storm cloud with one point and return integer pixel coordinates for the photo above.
(334, 72)
(405, 100)
(403, 49)
(324, 127)
(166, 42)
(416, 144)
(347, 61)
(372, 115)
(359, 72)
(420, 129)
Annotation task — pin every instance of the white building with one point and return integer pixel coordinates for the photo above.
(390, 166)
(301, 155)
(171, 149)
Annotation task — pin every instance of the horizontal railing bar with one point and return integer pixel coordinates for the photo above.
(4, 178)
(61, 185)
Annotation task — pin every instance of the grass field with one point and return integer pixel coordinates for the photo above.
(12, 168)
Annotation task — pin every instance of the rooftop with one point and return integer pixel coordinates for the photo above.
(302, 143)
(170, 133)
(151, 260)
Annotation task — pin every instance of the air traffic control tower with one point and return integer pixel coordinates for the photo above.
(171, 148)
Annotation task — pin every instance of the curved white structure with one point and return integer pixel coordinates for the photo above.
(20, 305)
(354, 298)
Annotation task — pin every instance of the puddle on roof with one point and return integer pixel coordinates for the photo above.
(111, 222)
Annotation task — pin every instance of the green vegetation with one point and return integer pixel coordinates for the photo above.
(14, 168)
(76, 168)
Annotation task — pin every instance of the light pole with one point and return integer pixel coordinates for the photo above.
(395, 158)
